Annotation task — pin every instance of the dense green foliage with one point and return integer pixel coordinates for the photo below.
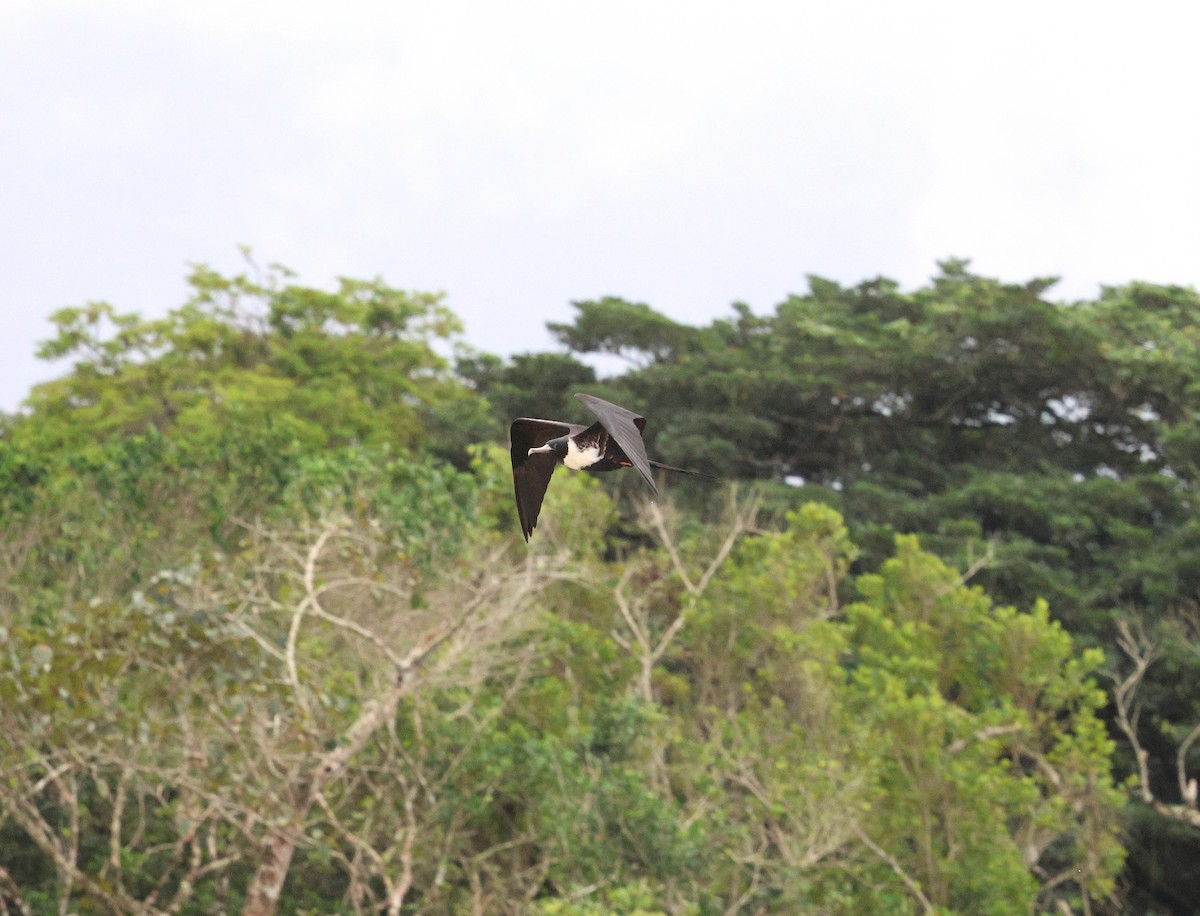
(265, 612)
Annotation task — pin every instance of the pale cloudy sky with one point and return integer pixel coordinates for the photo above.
(519, 155)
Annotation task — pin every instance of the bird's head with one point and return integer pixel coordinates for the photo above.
(556, 447)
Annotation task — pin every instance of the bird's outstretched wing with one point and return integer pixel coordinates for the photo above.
(626, 428)
(531, 473)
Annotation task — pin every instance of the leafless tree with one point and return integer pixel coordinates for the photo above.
(1141, 651)
(246, 735)
(641, 639)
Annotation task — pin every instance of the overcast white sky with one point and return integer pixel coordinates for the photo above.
(519, 155)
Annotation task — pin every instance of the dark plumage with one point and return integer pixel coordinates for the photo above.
(613, 441)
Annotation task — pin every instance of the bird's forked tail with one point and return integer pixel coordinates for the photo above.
(670, 467)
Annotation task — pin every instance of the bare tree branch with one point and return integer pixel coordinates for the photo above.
(308, 785)
(12, 903)
(650, 651)
(310, 574)
(913, 887)
(984, 734)
(267, 883)
(743, 521)
(24, 811)
(1187, 787)
(1143, 652)
(399, 890)
(977, 566)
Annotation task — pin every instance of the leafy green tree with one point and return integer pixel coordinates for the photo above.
(175, 430)
(269, 638)
(528, 385)
(630, 330)
(915, 749)
(248, 372)
(1010, 710)
(1057, 442)
(168, 748)
(351, 710)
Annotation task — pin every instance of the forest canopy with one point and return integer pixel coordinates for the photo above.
(271, 641)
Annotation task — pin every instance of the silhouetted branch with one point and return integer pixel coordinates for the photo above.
(1142, 652)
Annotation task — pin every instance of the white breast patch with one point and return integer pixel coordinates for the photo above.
(579, 458)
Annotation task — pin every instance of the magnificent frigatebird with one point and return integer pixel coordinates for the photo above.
(613, 441)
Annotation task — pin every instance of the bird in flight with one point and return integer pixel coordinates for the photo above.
(614, 441)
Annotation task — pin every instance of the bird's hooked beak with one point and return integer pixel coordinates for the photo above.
(553, 447)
